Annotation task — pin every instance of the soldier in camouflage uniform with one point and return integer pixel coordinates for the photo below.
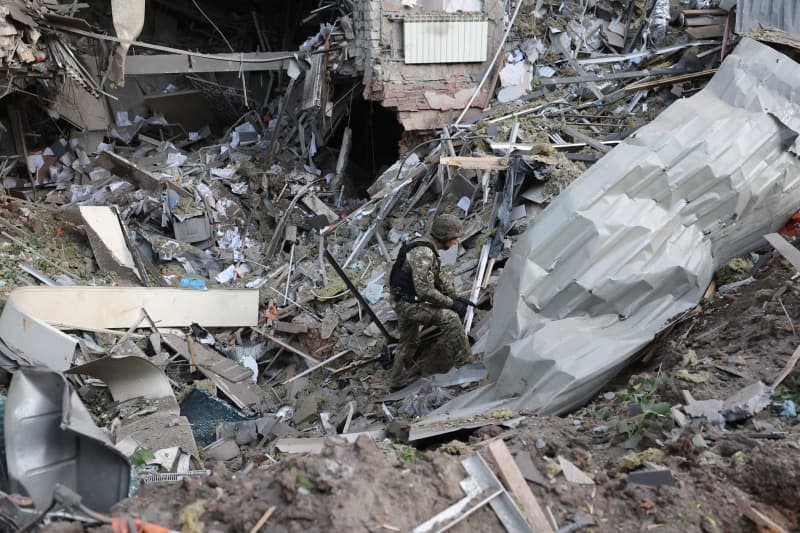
(423, 295)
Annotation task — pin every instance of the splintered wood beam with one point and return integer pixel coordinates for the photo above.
(705, 32)
(518, 487)
(788, 368)
(762, 521)
(581, 137)
(475, 163)
(670, 80)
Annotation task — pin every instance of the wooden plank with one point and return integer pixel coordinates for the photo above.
(785, 248)
(516, 484)
(141, 65)
(705, 21)
(670, 80)
(290, 327)
(762, 521)
(475, 163)
(128, 171)
(319, 207)
(289, 347)
(578, 136)
(614, 76)
(703, 12)
(243, 394)
(706, 32)
(788, 368)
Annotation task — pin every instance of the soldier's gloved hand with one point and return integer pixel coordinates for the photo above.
(459, 307)
(466, 302)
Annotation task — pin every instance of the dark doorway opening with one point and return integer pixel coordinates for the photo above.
(376, 141)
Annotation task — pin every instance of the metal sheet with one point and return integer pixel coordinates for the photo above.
(752, 15)
(504, 505)
(633, 243)
(128, 377)
(50, 438)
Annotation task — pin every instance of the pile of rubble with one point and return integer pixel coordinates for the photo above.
(184, 288)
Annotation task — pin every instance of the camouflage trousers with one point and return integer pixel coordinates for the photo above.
(449, 348)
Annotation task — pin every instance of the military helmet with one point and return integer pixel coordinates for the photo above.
(446, 227)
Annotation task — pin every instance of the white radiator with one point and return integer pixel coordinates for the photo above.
(445, 38)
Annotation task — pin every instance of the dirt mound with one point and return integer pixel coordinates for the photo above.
(356, 487)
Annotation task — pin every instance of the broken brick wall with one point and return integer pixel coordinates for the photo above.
(426, 96)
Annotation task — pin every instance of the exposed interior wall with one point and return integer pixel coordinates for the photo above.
(425, 96)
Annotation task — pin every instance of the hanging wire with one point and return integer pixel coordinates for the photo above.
(214, 25)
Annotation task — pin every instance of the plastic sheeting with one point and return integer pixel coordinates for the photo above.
(633, 243)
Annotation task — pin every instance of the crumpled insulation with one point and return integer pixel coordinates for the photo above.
(633, 243)
(659, 18)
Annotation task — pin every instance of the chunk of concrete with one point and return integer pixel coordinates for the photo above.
(222, 450)
(748, 402)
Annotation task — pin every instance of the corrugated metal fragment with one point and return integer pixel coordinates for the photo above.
(634, 242)
(752, 15)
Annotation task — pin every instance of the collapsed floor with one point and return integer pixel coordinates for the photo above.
(297, 368)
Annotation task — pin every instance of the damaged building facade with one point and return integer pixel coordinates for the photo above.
(202, 202)
(425, 59)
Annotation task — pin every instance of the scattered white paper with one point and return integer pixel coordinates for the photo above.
(223, 173)
(122, 119)
(248, 361)
(239, 188)
(294, 69)
(99, 174)
(464, 203)
(35, 162)
(254, 283)
(227, 275)
(519, 74)
(545, 72)
(175, 159)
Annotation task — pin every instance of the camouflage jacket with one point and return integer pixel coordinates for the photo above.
(424, 265)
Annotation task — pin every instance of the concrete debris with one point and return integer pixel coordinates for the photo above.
(747, 403)
(573, 473)
(709, 410)
(222, 450)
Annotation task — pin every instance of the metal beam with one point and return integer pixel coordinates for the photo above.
(141, 65)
